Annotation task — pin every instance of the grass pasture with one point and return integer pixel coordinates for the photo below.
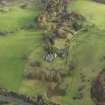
(16, 45)
(87, 52)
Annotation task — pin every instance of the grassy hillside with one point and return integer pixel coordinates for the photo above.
(93, 11)
(16, 44)
(87, 51)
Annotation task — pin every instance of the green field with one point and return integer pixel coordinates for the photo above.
(87, 51)
(15, 46)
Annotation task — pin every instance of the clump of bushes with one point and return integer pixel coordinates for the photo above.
(3, 33)
(78, 96)
(24, 56)
(35, 64)
(23, 6)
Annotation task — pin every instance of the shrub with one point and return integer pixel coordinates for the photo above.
(35, 64)
(77, 25)
(24, 57)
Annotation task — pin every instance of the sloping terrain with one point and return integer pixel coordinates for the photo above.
(87, 52)
(15, 44)
(19, 39)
